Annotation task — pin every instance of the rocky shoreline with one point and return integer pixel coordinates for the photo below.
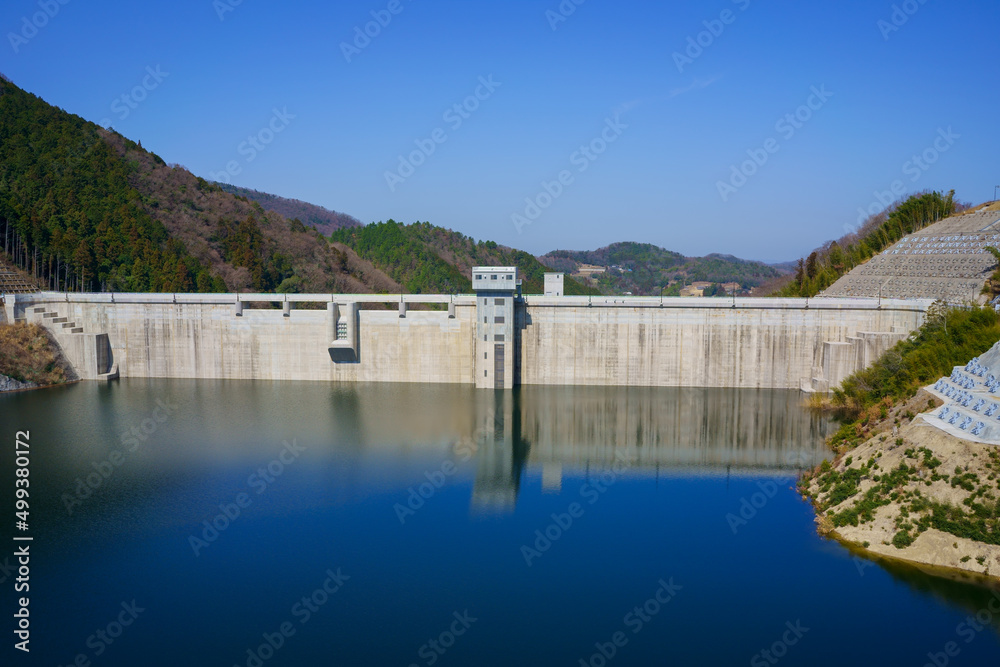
(10, 384)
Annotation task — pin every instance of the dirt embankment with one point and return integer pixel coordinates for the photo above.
(915, 493)
(29, 358)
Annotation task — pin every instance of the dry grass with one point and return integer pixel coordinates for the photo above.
(819, 402)
(28, 354)
(988, 206)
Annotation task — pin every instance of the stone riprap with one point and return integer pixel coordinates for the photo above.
(947, 261)
(972, 400)
(10, 384)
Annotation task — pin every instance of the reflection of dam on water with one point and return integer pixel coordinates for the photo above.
(663, 431)
(503, 440)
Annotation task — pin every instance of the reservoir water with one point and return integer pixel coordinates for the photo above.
(255, 523)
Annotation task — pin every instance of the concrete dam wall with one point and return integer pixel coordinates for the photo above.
(632, 341)
(773, 343)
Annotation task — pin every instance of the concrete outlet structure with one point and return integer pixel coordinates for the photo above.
(495, 339)
(496, 289)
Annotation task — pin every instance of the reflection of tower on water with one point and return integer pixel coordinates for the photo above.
(502, 452)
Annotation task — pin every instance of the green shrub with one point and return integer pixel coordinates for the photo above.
(949, 338)
(902, 539)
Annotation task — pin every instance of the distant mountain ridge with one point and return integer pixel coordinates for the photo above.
(425, 258)
(645, 269)
(311, 215)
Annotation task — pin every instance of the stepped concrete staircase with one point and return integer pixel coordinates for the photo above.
(842, 359)
(93, 348)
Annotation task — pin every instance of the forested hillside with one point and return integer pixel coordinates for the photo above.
(87, 209)
(322, 219)
(429, 259)
(643, 268)
(68, 212)
(825, 265)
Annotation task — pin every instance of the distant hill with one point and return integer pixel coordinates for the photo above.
(784, 267)
(311, 215)
(643, 269)
(425, 258)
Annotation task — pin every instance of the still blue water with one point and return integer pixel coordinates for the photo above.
(423, 525)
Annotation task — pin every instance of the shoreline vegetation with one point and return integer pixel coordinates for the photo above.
(30, 359)
(899, 488)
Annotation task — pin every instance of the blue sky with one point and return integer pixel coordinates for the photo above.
(661, 133)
